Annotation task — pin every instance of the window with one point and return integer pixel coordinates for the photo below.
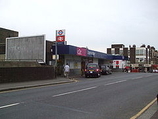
(112, 51)
(121, 51)
(140, 52)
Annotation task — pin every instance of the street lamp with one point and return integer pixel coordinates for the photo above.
(55, 56)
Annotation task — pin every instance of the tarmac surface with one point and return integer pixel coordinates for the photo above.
(149, 112)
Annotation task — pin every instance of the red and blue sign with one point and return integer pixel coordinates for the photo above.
(60, 35)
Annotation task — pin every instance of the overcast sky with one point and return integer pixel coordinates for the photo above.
(95, 24)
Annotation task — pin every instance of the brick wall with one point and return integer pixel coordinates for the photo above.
(20, 74)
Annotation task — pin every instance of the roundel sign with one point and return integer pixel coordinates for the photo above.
(60, 35)
(60, 32)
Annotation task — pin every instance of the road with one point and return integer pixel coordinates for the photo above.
(116, 96)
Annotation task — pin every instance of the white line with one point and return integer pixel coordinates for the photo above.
(74, 91)
(115, 82)
(137, 78)
(9, 105)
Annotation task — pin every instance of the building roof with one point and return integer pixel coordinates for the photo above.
(79, 51)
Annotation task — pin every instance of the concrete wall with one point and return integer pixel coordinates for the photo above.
(26, 48)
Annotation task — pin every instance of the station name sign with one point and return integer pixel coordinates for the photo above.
(60, 35)
(91, 53)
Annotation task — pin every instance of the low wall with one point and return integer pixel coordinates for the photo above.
(19, 64)
(20, 74)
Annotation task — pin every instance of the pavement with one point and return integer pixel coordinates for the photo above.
(31, 84)
(148, 112)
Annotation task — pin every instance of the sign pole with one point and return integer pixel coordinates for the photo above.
(56, 50)
(56, 54)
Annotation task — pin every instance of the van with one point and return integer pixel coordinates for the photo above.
(105, 69)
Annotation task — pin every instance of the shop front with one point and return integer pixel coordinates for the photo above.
(78, 57)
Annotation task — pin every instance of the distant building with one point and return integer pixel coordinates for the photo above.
(138, 56)
(5, 33)
(119, 50)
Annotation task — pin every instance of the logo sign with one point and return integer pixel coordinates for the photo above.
(60, 35)
(82, 51)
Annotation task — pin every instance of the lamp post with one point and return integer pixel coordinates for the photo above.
(54, 56)
(54, 53)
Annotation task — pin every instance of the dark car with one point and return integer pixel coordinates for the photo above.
(105, 69)
(92, 70)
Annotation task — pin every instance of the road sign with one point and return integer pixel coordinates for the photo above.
(60, 32)
(60, 35)
(60, 38)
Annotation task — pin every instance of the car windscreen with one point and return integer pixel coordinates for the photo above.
(91, 65)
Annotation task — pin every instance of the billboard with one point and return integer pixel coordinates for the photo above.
(31, 48)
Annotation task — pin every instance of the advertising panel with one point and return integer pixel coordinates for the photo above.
(26, 48)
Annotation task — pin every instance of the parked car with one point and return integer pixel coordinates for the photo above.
(105, 69)
(155, 70)
(92, 70)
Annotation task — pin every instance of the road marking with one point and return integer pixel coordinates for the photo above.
(115, 82)
(74, 91)
(144, 109)
(10, 105)
(86, 89)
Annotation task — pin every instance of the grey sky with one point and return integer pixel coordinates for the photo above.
(95, 24)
